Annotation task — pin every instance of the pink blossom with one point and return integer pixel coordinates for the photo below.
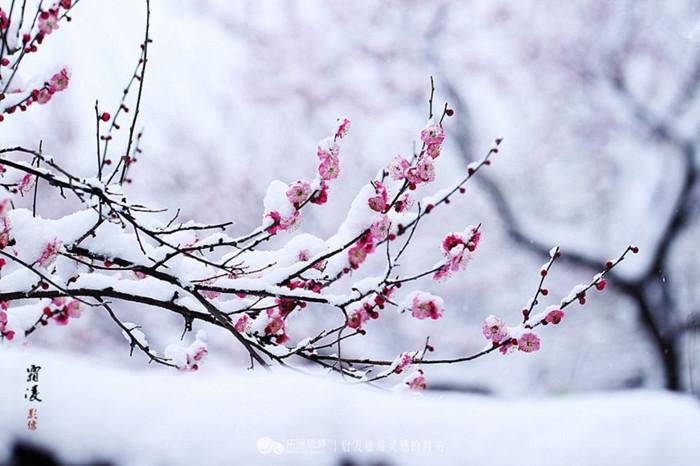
(432, 134)
(357, 318)
(321, 196)
(276, 326)
(529, 343)
(4, 22)
(357, 255)
(60, 80)
(508, 346)
(554, 317)
(398, 167)
(426, 170)
(494, 329)
(379, 202)
(380, 228)
(26, 183)
(433, 150)
(49, 253)
(424, 305)
(48, 21)
(343, 127)
(328, 148)
(243, 324)
(298, 192)
(403, 203)
(329, 168)
(416, 381)
(44, 96)
(402, 361)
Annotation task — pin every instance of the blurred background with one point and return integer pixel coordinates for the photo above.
(598, 103)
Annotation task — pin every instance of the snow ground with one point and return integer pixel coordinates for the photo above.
(154, 417)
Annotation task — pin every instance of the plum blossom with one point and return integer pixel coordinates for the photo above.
(26, 183)
(432, 134)
(5, 332)
(59, 81)
(243, 324)
(49, 253)
(320, 197)
(329, 169)
(416, 381)
(343, 128)
(402, 361)
(380, 228)
(298, 192)
(357, 318)
(61, 310)
(529, 343)
(280, 223)
(398, 167)
(457, 249)
(423, 305)
(189, 359)
(379, 202)
(48, 21)
(494, 329)
(276, 326)
(554, 316)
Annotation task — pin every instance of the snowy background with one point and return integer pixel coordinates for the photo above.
(593, 100)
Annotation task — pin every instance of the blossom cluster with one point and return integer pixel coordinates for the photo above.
(61, 310)
(299, 192)
(46, 21)
(457, 249)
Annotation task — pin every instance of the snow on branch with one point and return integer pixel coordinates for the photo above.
(113, 251)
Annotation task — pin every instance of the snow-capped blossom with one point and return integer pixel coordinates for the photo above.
(280, 223)
(494, 329)
(26, 183)
(298, 192)
(48, 21)
(327, 148)
(432, 134)
(416, 381)
(357, 318)
(343, 128)
(426, 170)
(190, 358)
(61, 310)
(329, 169)
(402, 361)
(554, 316)
(380, 228)
(49, 253)
(529, 343)
(60, 80)
(423, 305)
(243, 324)
(398, 167)
(276, 326)
(210, 294)
(320, 197)
(600, 284)
(379, 201)
(457, 248)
